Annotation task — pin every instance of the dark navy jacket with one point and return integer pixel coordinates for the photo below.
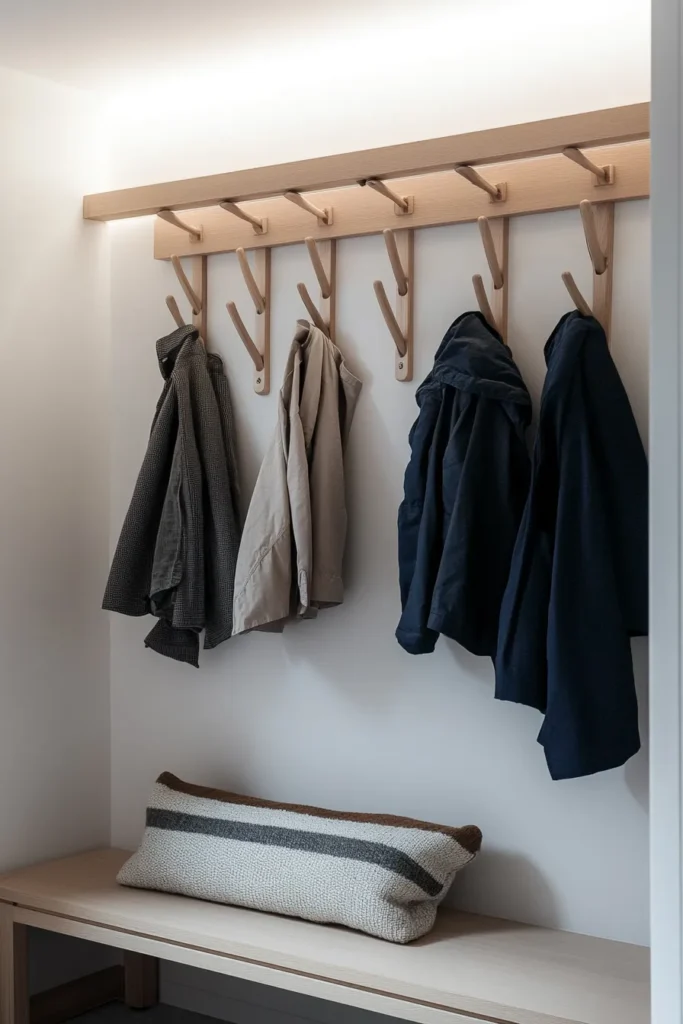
(578, 584)
(465, 488)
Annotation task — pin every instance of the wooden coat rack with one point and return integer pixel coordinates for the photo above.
(587, 161)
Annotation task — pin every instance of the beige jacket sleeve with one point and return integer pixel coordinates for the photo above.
(263, 576)
(339, 391)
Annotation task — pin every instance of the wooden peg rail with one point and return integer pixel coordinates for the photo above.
(585, 161)
(533, 186)
(586, 131)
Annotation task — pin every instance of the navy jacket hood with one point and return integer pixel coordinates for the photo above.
(473, 358)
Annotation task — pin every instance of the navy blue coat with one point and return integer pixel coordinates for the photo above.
(577, 590)
(465, 488)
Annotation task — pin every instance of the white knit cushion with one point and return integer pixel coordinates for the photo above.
(377, 873)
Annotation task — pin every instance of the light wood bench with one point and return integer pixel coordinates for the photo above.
(468, 967)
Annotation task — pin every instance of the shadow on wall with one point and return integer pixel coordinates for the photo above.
(512, 882)
(636, 772)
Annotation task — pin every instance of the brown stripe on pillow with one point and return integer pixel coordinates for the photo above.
(467, 836)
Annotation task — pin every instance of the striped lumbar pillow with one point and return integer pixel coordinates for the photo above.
(377, 873)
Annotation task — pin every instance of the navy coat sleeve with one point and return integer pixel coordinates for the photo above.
(485, 483)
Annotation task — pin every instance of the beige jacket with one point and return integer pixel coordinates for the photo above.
(296, 521)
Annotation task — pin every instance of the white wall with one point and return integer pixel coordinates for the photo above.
(54, 642)
(334, 712)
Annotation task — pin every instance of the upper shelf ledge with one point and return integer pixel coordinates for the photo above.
(512, 142)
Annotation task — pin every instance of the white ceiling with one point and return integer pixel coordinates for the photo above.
(97, 44)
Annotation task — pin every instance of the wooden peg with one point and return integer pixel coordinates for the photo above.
(196, 293)
(402, 204)
(192, 296)
(603, 175)
(325, 284)
(590, 230)
(495, 237)
(390, 318)
(395, 260)
(171, 218)
(490, 250)
(258, 347)
(497, 193)
(251, 348)
(259, 224)
(311, 307)
(324, 315)
(576, 296)
(401, 250)
(258, 299)
(598, 224)
(200, 291)
(174, 311)
(324, 216)
(603, 216)
(483, 301)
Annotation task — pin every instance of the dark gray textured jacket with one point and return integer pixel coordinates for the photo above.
(178, 546)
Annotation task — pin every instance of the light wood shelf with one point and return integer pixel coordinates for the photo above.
(467, 967)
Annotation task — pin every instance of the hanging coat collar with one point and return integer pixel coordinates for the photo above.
(169, 348)
(571, 333)
(472, 357)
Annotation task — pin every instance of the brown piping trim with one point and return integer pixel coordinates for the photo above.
(467, 836)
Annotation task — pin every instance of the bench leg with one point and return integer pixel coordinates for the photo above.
(14, 1001)
(141, 981)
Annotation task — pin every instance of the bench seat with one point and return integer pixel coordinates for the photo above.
(468, 967)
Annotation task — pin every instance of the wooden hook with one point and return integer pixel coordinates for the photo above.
(497, 193)
(402, 204)
(196, 294)
(395, 260)
(495, 238)
(401, 251)
(194, 299)
(324, 259)
(603, 175)
(598, 226)
(490, 251)
(311, 307)
(259, 288)
(324, 217)
(259, 224)
(258, 299)
(483, 301)
(590, 230)
(390, 318)
(323, 281)
(200, 280)
(171, 218)
(251, 348)
(576, 296)
(174, 311)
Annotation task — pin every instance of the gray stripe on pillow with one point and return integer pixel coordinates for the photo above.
(383, 856)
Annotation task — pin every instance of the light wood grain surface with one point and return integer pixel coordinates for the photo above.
(511, 142)
(469, 964)
(532, 186)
